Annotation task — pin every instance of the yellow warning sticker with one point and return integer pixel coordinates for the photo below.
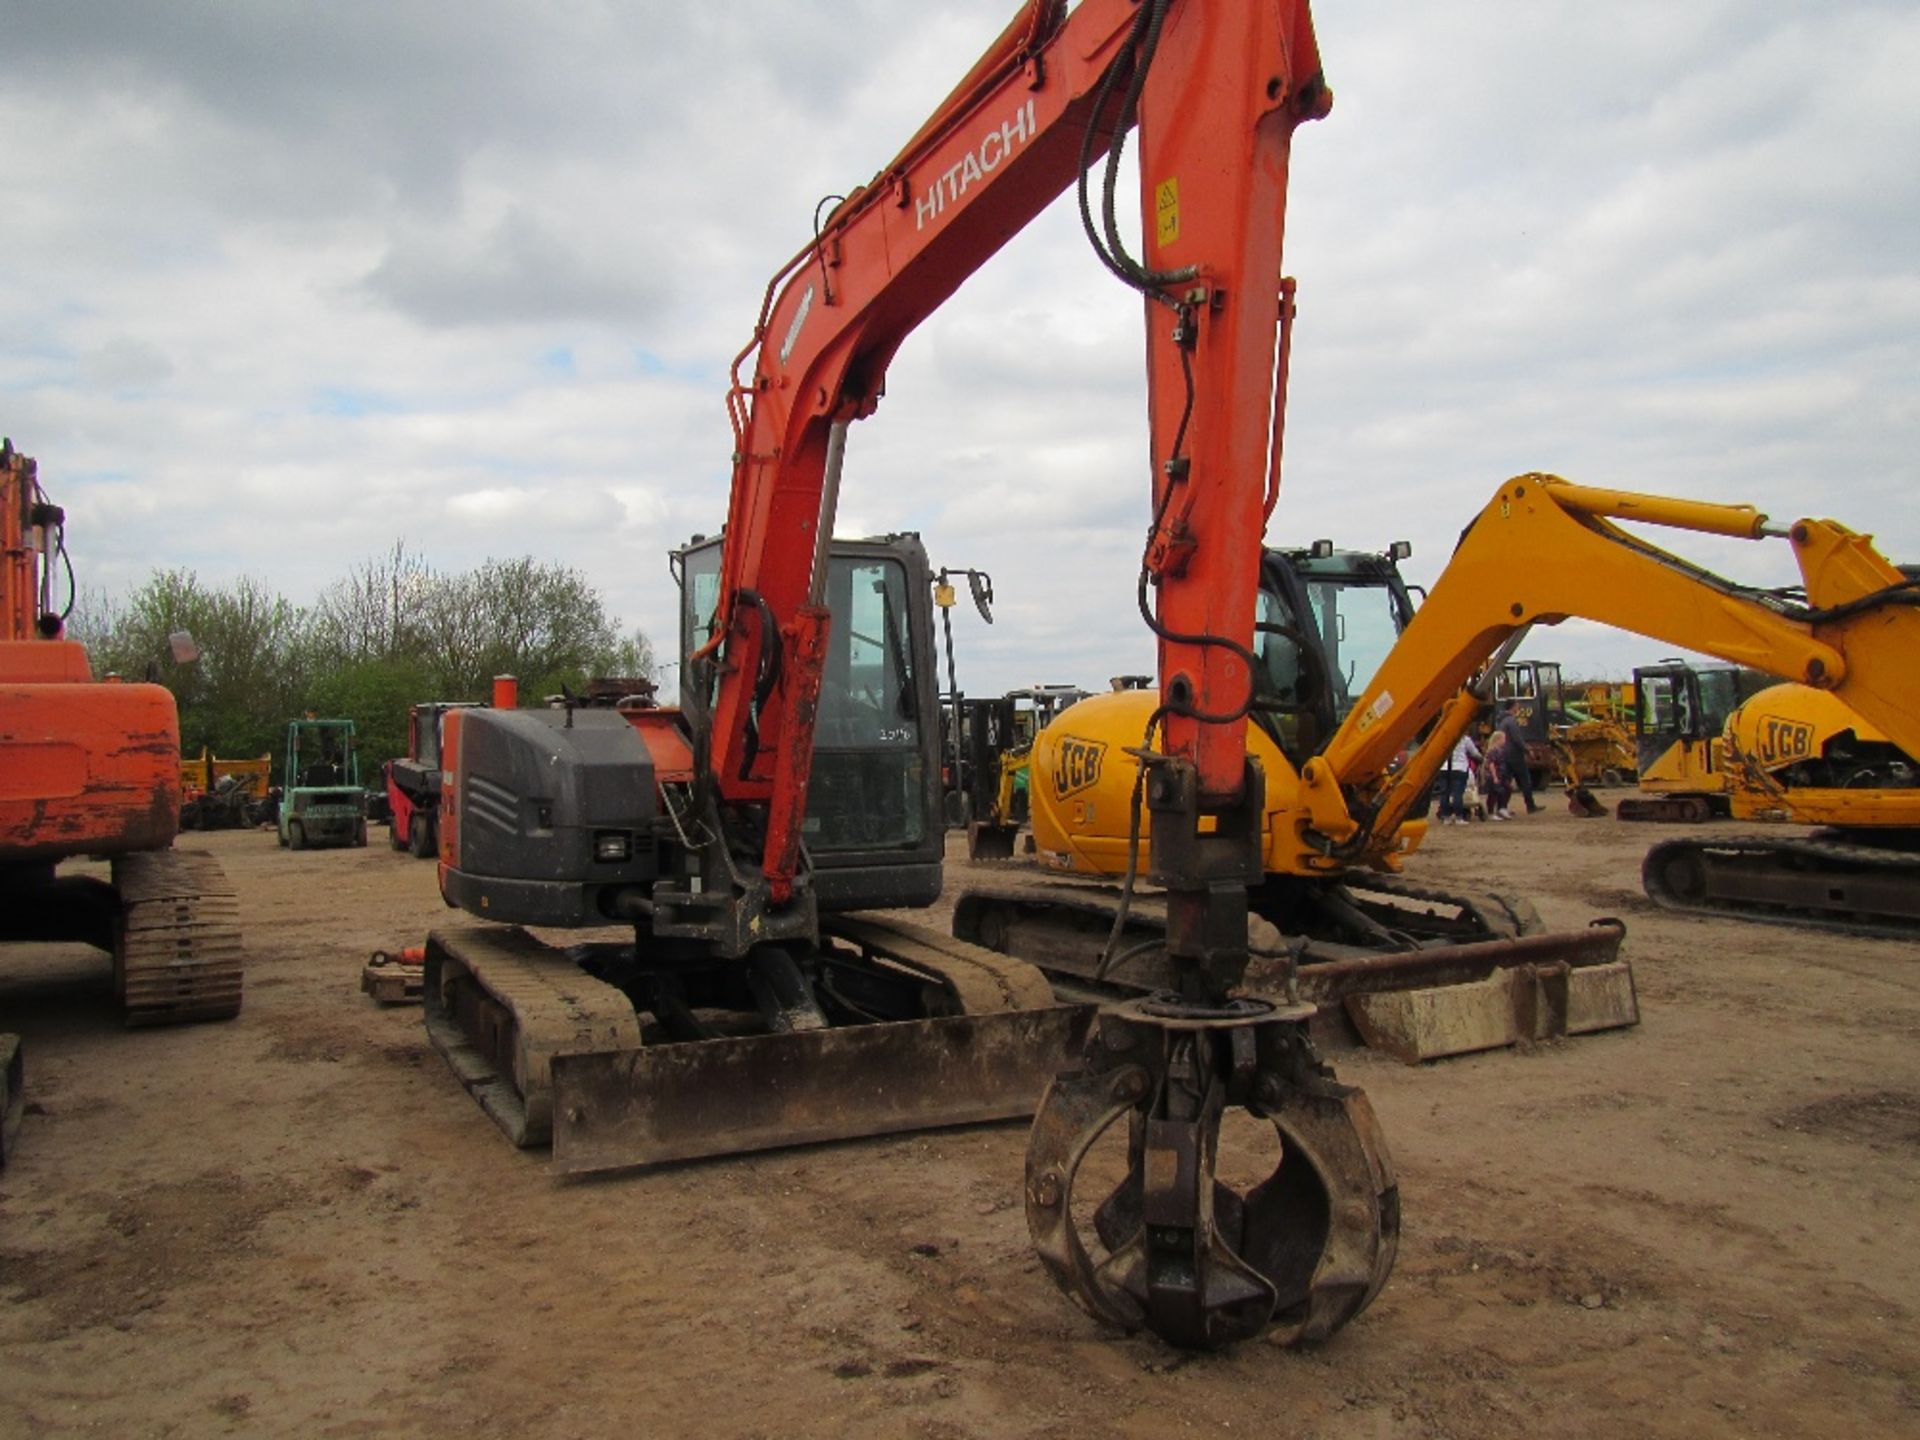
(1166, 211)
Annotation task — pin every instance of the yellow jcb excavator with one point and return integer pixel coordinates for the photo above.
(1680, 710)
(1797, 754)
(1337, 824)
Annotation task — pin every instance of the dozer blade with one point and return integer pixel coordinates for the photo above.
(553, 1054)
(626, 1109)
(1425, 1005)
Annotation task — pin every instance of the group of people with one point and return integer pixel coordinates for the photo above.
(1494, 773)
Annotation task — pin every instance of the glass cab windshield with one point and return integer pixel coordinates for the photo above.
(868, 779)
(1323, 628)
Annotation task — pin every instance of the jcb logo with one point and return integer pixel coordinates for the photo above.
(1784, 740)
(1076, 766)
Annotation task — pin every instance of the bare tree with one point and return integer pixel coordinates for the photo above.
(373, 612)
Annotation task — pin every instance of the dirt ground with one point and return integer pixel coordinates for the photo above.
(298, 1224)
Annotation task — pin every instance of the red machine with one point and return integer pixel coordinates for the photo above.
(92, 768)
(413, 779)
(1215, 89)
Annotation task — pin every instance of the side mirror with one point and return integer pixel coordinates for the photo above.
(981, 584)
(180, 644)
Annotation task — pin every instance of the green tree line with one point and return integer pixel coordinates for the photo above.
(390, 633)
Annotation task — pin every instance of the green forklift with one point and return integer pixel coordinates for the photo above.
(323, 803)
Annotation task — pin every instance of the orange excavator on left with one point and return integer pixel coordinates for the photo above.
(91, 768)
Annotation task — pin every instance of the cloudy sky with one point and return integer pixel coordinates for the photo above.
(283, 282)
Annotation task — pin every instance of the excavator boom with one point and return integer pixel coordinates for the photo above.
(1543, 550)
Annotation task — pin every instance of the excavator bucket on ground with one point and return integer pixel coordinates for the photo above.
(557, 1056)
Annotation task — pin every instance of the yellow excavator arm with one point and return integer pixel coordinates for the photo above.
(1545, 549)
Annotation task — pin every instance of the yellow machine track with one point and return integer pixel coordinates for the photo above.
(176, 954)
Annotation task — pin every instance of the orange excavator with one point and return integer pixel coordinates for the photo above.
(799, 779)
(92, 768)
(748, 1004)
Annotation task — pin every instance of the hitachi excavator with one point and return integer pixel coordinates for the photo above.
(730, 859)
(730, 856)
(92, 768)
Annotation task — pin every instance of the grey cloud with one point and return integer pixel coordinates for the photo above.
(520, 269)
(123, 364)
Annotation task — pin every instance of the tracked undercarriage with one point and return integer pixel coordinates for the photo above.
(1826, 881)
(1417, 971)
(619, 1063)
(176, 952)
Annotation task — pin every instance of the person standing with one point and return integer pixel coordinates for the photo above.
(1453, 781)
(1496, 776)
(1516, 759)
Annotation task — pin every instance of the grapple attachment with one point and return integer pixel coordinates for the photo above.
(1201, 1263)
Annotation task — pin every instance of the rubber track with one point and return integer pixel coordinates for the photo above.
(1502, 916)
(556, 1008)
(1830, 852)
(982, 980)
(177, 956)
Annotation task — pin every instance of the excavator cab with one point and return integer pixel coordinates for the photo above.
(1531, 691)
(1326, 619)
(1681, 709)
(874, 828)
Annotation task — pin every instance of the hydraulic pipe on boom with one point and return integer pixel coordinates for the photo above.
(1215, 89)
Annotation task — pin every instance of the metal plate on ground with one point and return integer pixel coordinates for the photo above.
(1527, 1003)
(627, 1109)
(392, 982)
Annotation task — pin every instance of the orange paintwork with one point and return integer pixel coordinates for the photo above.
(86, 767)
(664, 734)
(1229, 84)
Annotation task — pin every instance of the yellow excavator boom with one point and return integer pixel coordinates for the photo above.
(1545, 549)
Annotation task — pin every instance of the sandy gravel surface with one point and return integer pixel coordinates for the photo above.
(297, 1223)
